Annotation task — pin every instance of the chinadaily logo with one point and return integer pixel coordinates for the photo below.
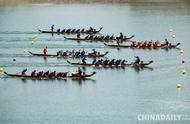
(163, 117)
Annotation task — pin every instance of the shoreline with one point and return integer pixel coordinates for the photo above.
(25, 2)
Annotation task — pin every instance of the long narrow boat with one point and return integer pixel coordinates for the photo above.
(70, 56)
(144, 65)
(73, 76)
(143, 47)
(70, 32)
(96, 40)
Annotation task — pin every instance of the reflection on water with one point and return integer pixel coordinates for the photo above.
(45, 60)
(66, 80)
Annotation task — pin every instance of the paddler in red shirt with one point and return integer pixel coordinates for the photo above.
(45, 50)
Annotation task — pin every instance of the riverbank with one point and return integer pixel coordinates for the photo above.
(18, 2)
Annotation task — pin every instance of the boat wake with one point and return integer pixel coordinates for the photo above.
(19, 32)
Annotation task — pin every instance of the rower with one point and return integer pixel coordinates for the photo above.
(91, 37)
(61, 52)
(24, 71)
(137, 61)
(33, 73)
(94, 61)
(117, 62)
(141, 63)
(157, 42)
(101, 61)
(166, 42)
(45, 50)
(83, 60)
(149, 43)
(86, 37)
(94, 51)
(58, 53)
(46, 74)
(82, 31)
(52, 74)
(98, 37)
(58, 30)
(64, 54)
(95, 38)
(68, 30)
(123, 62)
(136, 44)
(58, 75)
(94, 30)
(106, 62)
(52, 28)
(83, 53)
(78, 35)
(79, 71)
(78, 30)
(102, 38)
(73, 31)
(107, 37)
(112, 62)
(133, 44)
(77, 53)
(121, 35)
(97, 62)
(63, 31)
(118, 42)
(64, 74)
(112, 37)
(39, 74)
(73, 52)
(91, 29)
(144, 44)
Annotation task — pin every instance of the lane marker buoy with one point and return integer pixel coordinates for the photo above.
(170, 30)
(182, 61)
(178, 86)
(24, 50)
(14, 59)
(184, 72)
(181, 51)
(1, 70)
(173, 36)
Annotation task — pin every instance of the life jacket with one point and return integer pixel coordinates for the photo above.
(144, 43)
(45, 50)
(141, 62)
(133, 44)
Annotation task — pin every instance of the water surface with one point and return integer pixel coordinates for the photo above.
(113, 95)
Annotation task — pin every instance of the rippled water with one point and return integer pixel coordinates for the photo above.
(113, 95)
